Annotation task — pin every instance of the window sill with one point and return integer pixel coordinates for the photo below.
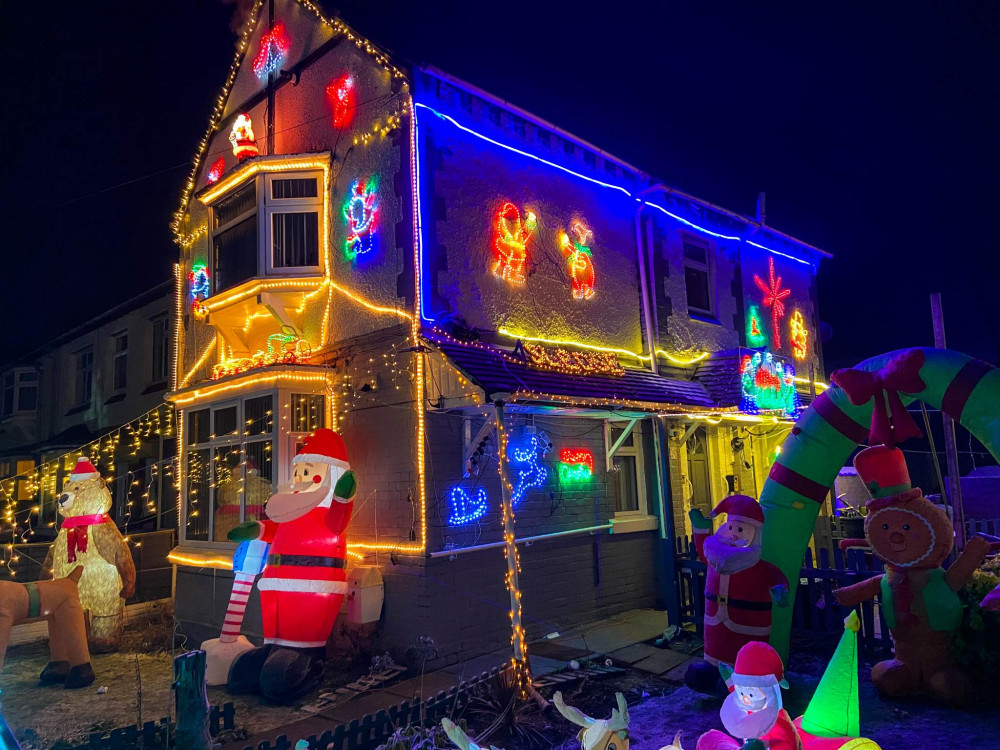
(703, 318)
(78, 409)
(115, 399)
(633, 524)
(160, 385)
(203, 557)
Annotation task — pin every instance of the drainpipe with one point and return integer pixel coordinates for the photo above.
(647, 309)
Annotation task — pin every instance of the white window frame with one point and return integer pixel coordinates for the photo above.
(77, 370)
(115, 356)
(635, 450)
(707, 267)
(18, 409)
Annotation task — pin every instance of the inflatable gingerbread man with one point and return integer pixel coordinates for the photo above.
(304, 578)
(912, 536)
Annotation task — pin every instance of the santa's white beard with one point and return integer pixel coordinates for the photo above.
(286, 504)
(743, 725)
(727, 559)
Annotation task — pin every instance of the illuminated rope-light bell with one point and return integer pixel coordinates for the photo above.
(273, 49)
(768, 385)
(799, 336)
(510, 238)
(525, 453)
(215, 173)
(360, 211)
(579, 259)
(773, 296)
(342, 99)
(466, 506)
(241, 136)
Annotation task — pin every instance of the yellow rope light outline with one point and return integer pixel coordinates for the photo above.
(271, 378)
(593, 347)
(200, 361)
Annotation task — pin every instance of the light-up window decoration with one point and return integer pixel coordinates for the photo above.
(273, 49)
(756, 335)
(510, 243)
(799, 335)
(241, 136)
(773, 296)
(573, 362)
(215, 173)
(342, 99)
(359, 211)
(282, 349)
(525, 454)
(200, 289)
(466, 506)
(579, 259)
(768, 385)
(576, 465)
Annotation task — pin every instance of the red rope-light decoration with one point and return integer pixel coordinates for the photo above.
(273, 49)
(342, 99)
(217, 170)
(773, 296)
(579, 259)
(510, 243)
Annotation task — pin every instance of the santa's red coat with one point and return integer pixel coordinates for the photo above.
(737, 606)
(782, 736)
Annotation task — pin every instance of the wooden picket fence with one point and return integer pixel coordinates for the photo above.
(815, 609)
(155, 734)
(368, 732)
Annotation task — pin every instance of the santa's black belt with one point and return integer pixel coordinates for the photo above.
(739, 603)
(309, 561)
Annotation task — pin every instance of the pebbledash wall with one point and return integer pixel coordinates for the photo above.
(369, 326)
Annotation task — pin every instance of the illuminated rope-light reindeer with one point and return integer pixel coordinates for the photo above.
(526, 453)
(579, 259)
(510, 243)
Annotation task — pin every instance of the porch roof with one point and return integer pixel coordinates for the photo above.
(498, 371)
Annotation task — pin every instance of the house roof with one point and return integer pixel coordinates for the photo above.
(499, 371)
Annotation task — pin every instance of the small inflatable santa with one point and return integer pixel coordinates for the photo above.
(304, 578)
(739, 587)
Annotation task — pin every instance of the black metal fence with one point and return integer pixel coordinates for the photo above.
(815, 608)
(155, 734)
(370, 731)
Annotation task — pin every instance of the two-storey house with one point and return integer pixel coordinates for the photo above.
(386, 250)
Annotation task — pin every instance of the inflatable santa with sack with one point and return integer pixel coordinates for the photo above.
(739, 587)
(304, 578)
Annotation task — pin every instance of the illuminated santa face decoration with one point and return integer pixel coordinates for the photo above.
(312, 487)
(750, 711)
(737, 533)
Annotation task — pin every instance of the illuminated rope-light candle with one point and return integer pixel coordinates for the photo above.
(466, 506)
(773, 298)
(525, 453)
(273, 49)
(360, 211)
(342, 99)
(510, 243)
(241, 136)
(575, 465)
(799, 335)
(579, 260)
(768, 385)
(755, 328)
(215, 173)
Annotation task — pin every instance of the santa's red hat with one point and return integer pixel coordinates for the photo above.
(742, 508)
(324, 446)
(758, 665)
(84, 470)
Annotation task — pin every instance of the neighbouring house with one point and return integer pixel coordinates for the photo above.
(97, 390)
(386, 250)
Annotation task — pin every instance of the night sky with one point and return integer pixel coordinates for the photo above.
(874, 129)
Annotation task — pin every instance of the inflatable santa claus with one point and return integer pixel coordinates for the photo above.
(304, 578)
(739, 587)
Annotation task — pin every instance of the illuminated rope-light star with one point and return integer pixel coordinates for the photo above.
(273, 48)
(360, 211)
(773, 296)
(579, 259)
(510, 243)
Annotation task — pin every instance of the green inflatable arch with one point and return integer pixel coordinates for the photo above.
(826, 434)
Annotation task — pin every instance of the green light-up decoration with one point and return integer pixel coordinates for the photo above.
(833, 710)
(756, 334)
(576, 466)
(768, 385)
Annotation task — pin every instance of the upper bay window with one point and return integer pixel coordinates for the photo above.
(268, 225)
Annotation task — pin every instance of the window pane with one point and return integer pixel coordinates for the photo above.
(259, 478)
(295, 240)
(8, 395)
(235, 205)
(121, 343)
(308, 412)
(696, 252)
(616, 432)
(197, 427)
(626, 490)
(698, 297)
(199, 479)
(259, 415)
(84, 377)
(294, 188)
(225, 421)
(228, 480)
(236, 254)
(27, 377)
(27, 398)
(120, 363)
(160, 351)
